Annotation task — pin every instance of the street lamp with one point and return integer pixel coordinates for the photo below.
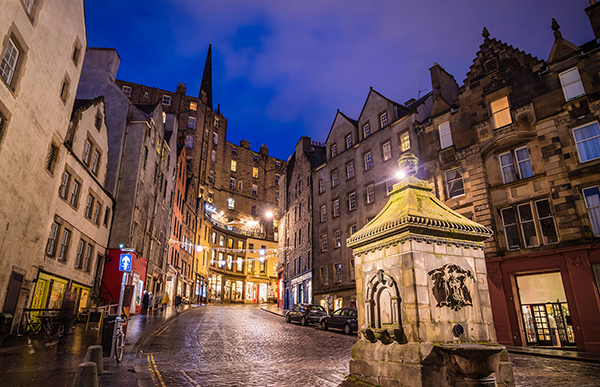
(269, 214)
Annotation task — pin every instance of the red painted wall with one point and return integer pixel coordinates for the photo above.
(113, 277)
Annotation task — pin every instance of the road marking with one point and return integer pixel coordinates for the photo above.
(156, 378)
(162, 331)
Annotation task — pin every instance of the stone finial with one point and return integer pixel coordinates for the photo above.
(485, 33)
(592, 2)
(556, 29)
(409, 164)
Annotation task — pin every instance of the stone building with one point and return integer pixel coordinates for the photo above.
(141, 162)
(39, 67)
(295, 227)
(353, 185)
(518, 151)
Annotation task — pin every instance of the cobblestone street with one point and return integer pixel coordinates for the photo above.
(241, 345)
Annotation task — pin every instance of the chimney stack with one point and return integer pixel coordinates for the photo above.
(593, 12)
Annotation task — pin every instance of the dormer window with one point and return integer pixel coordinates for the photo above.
(126, 90)
(383, 119)
(501, 112)
(366, 130)
(166, 100)
(349, 141)
(571, 84)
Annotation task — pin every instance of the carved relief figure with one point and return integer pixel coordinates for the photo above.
(451, 286)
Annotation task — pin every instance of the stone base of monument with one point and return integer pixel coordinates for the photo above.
(430, 365)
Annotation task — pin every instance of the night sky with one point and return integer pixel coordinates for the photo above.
(282, 68)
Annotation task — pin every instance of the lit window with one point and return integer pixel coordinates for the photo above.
(323, 213)
(333, 150)
(571, 84)
(370, 193)
(166, 100)
(233, 166)
(221, 241)
(338, 272)
(255, 172)
(349, 141)
(336, 239)
(350, 170)
(366, 132)
(587, 139)
(321, 185)
(368, 161)
(146, 95)
(454, 182)
(189, 141)
(405, 140)
(507, 162)
(215, 138)
(254, 190)
(213, 156)
(231, 203)
(232, 183)
(191, 123)
(240, 265)
(336, 208)
(193, 106)
(501, 112)
(334, 178)
(216, 122)
(324, 242)
(383, 119)
(592, 202)
(352, 201)
(445, 135)
(9, 61)
(387, 151)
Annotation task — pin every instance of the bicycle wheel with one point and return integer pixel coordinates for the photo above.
(120, 346)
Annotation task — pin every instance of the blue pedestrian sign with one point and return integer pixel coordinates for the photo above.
(125, 262)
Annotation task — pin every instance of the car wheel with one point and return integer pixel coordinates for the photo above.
(323, 325)
(347, 329)
(288, 319)
(304, 322)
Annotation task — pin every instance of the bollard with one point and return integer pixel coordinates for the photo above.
(94, 354)
(87, 375)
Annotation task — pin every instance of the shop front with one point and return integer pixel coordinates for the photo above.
(136, 278)
(50, 291)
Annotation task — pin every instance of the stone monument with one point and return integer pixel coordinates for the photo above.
(424, 309)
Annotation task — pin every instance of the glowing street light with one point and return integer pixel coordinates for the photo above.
(401, 174)
(269, 214)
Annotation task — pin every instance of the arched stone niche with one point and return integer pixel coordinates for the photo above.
(382, 310)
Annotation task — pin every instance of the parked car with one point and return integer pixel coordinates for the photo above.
(306, 314)
(343, 318)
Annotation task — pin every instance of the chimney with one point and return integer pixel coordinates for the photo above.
(245, 144)
(593, 12)
(264, 151)
(181, 88)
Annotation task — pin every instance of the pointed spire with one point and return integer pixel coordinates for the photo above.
(485, 33)
(556, 29)
(206, 85)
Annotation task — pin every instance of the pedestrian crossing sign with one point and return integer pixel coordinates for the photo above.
(125, 262)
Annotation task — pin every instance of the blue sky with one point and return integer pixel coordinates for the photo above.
(282, 68)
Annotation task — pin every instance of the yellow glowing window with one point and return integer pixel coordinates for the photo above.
(404, 142)
(233, 165)
(193, 106)
(255, 172)
(501, 112)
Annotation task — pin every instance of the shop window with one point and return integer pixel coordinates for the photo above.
(454, 183)
(445, 135)
(387, 151)
(501, 112)
(521, 158)
(571, 84)
(592, 202)
(587, 139)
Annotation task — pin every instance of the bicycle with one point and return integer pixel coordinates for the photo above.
(119, 338)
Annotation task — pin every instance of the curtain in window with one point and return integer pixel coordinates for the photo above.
(524, 163)
(592, 200)
(508, 169)
(588, 141)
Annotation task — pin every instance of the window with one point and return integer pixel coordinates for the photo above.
(191, 123)
(387, 151)
(146, 95)
(64, 90)
(389, 186)
(370, 193)
(352, 270)
(352, 229)
(336, 208)
(352, 201)
(445, 135)
(547, 227)
(28, 4)
(527, 225)
(501, 112)
(333, 150)
(106, 215)
(507, 161)
(9, 62)
(193, 106)
(189, 141)
(336, 239)
(62, 191)
(334, 178)
(216, 122)
(350, 170)
(240, 185)
(88, 255)
(321, 186)
(234, 150)
(524, 219)
(587, 139)
(232, 183)
(211, 177)
(80, 250)
(231, 203)
(383, 119)
(254, 190)
(324, 276)
(126, 90)
(166, 100)
(592, 202)
(253, 210)
(239, 265)
(88, 207)
(349, 141)
(324, 242)
(300, 237)
(405, 140)
(221, 241)
(98, 121)
(86, 152)
(366, 131)
(511, 232)
(233, 166)
(277, 164)
(74, 193)
(571, 84)
(323, 210)
(338, 272)
(454, 183)
(213, 156)
(299, 210)
(215, 138)
(50, 248)
(229, 261)
(255, 172)
(255, 158)
(368, 161)
(96, 213)
(277, 179)
(145, 156)
(64, 245)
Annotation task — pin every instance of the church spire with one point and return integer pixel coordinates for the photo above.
(206, 86)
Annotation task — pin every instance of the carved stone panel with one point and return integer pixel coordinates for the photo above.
(451, 286)
(382, 309)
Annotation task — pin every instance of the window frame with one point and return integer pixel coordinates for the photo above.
(445, 133)
(404, 139)
(350, 170)
(575, 82)
(352, 201)
(495, 113)
(368, 160)
(386, 153)
(370, 193)
(192, 121)
(334, 178)
(348, 140)
(366, 130)
(337, 239)
(336, 208)
(323, 213)
(595, 138)
(383, 121)
(323, 242)
(333, 150)
(166, 100)
(448, 191)
(595, 223)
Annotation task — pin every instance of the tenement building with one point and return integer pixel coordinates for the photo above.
(40, 66)
(519, 152)
(295, 227)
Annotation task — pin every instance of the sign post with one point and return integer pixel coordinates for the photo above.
(125, 263)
